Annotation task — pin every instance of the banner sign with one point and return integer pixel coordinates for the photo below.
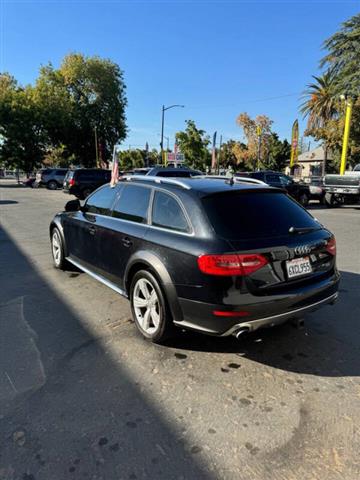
(294, 144)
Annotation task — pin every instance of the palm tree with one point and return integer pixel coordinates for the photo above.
(320, 104)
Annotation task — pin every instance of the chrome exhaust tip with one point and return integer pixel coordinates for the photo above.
(241, 332)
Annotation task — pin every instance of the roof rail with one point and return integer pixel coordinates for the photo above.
(249, 180)
(152, 178)
(253, 181)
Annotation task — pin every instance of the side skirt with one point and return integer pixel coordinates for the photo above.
(97, 277)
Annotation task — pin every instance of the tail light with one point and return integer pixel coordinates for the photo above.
(71, 182)
(230, 314)
(331, 246)
(232, 264)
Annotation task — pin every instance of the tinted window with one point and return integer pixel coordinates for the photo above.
(167, 213)
(101, 201)
(133, 204)
(285, 180)
(93, 175)
(272, 178)
(256, 214)
(173, 174)
(60, 172)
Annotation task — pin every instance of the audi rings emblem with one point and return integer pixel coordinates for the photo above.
(302, 249)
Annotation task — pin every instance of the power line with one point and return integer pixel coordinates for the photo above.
(259, 100)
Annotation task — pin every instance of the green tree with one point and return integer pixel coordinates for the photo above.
(343, 56)
(278, 153)
(83, 94)
(250, 126)
(233, 153)
(129, 159)
(193, 143)
(23, 143)
(321, 107)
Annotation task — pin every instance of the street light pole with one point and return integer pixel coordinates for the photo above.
(162, 134)
(162, 127)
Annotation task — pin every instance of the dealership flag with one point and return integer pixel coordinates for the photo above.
(115, 170)
(294, 144)
(213, 159)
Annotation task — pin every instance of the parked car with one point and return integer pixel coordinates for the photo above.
(83, 181)
(215, 256)
(317, 189)
(343, 189)
(183, 172)
(297, 190)
(52, 178)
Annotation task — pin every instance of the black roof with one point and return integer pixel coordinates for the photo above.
(204, 186)
(155, 170)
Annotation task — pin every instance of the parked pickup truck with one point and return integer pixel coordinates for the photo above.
(342, 189)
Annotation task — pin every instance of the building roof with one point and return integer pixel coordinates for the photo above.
(315, 155)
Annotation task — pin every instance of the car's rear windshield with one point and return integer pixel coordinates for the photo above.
(238, 215)
(69, 175)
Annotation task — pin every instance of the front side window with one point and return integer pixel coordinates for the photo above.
(133, 204)
(167, 213)
(101, 201)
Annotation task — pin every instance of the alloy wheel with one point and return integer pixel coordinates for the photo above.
(56, 248)
(146, 306)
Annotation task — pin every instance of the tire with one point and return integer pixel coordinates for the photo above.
(149, 308)
(331, 201)
(304, 199)
(52, 185)
(57, 249)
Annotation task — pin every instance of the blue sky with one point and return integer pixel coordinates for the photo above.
(218, 58)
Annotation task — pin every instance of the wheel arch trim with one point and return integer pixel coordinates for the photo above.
(156, 266)
(56, 222)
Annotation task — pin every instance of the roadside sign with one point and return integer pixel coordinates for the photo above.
(176, 158)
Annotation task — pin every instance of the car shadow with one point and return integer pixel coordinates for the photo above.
(67, 408)
(8, 202)
(327, 345)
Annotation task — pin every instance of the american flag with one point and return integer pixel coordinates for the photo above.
(115, 170)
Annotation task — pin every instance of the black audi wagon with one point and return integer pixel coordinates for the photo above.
(213, 255)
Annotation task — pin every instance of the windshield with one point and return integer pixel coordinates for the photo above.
(239, 215)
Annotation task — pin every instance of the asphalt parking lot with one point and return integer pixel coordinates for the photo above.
(83, 396)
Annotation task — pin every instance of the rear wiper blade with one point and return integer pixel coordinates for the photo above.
(303, 229)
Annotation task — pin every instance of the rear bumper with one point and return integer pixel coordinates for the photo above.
(271, 311)
(280, 318)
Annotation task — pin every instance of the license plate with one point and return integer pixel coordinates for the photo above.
(340, 190)
(298, 267)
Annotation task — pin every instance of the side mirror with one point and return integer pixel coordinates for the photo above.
(72, 206)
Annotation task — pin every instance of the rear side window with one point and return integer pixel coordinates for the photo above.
(101, 201)
(272, 178)
(60, 172)
(239, 215)
(167, 213)
(133, 204)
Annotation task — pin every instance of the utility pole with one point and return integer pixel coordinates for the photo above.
(349, 104)
(219, 156)
(162, 127)
(258, 133)
(96, 148)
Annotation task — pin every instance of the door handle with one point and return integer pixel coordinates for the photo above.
(92, 230)
(126, 242)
